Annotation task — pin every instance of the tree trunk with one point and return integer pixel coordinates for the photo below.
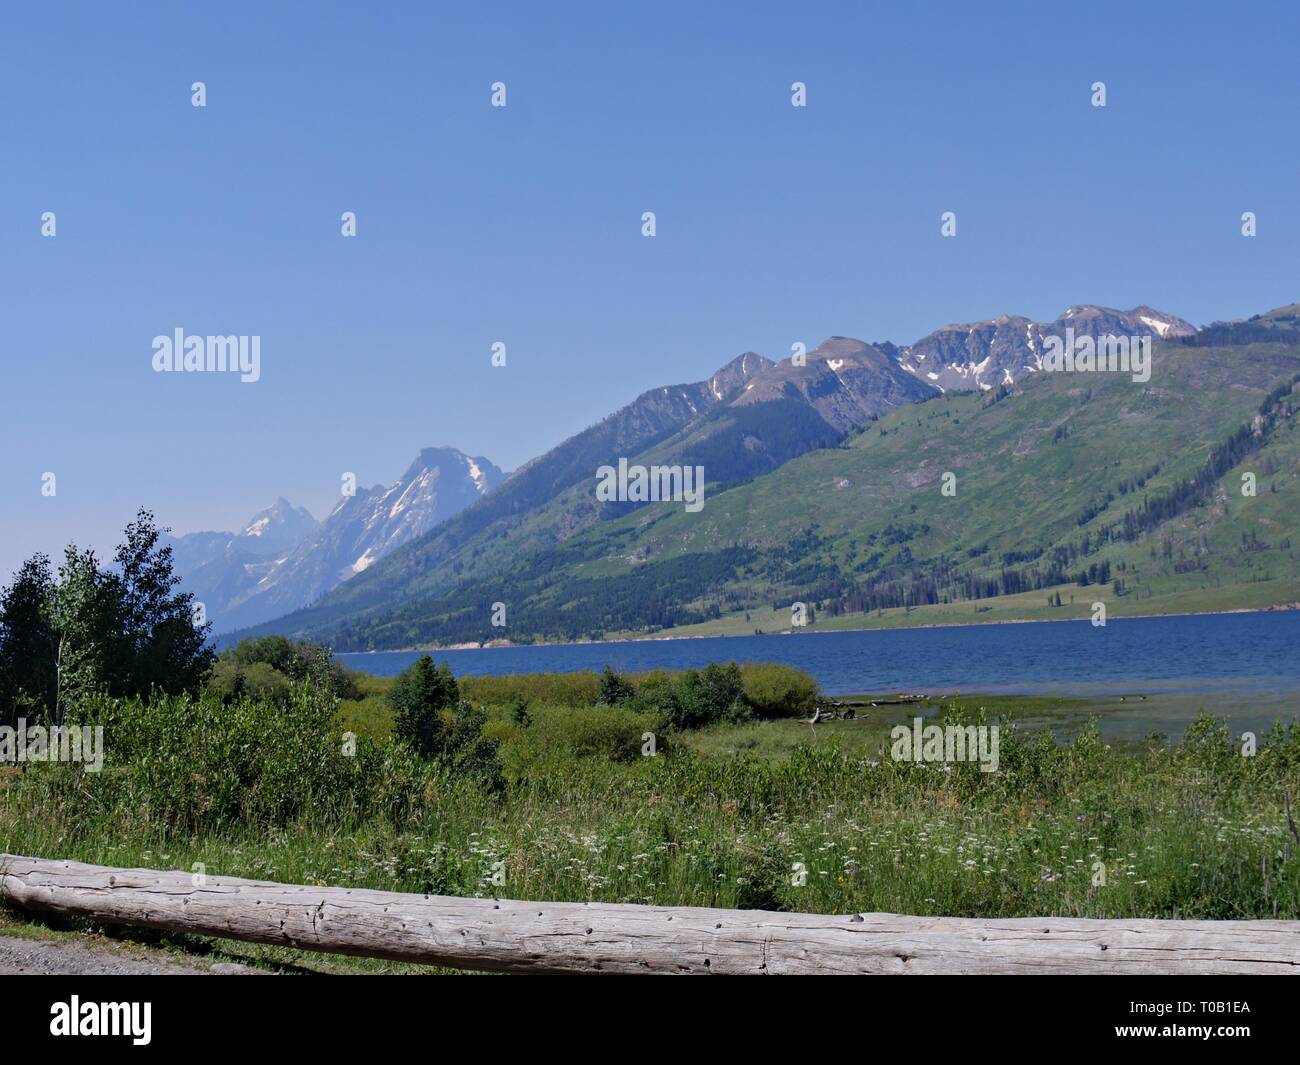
(551, 937)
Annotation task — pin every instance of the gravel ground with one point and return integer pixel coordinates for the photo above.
(42, 957)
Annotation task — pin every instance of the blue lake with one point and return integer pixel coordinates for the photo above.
(1251, 651)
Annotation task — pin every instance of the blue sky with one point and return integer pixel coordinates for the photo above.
(522, 224)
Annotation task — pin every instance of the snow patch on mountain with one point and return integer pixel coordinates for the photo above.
(1000, 351)
(266, 573)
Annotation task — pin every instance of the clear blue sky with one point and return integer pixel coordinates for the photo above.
(523, 224)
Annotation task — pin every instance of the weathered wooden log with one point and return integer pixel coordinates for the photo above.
(515, 936)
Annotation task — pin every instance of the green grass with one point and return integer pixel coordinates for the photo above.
(776, 814)
(721, 817)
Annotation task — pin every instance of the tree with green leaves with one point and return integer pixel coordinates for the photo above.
(269, 666)
(695, 698)
(27, 641)
(118, 631)
(166, 650)
(90, 643)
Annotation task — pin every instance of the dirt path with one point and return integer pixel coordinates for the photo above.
(45, 957)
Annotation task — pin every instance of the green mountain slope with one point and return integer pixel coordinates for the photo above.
(1060, 479)
(746, 420)
(523, 513)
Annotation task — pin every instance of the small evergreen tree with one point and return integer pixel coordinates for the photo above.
(614, 689)
(27, 640)
(419, 695)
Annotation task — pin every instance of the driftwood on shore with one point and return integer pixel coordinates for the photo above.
(555, 937)
(847, 709)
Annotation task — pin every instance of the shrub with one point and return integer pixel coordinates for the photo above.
(722, 690)
(259, 680)
(268, 665)
(769, 690)
(560, 733)
(370, 716)
(693, 698)
(559, 689)
(465, 748)
(192, 765)
(778, 691)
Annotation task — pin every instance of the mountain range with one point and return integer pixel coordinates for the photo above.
(284, 559)
(822, 476)
(983, 355)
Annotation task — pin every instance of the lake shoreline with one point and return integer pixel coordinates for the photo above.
(497, 645)
(1251, 649)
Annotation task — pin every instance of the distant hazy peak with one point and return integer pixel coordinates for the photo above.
(281, 516)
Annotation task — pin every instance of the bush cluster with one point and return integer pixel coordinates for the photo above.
(267, 667)
(717, 693)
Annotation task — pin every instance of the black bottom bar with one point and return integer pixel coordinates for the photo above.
(334, 1014)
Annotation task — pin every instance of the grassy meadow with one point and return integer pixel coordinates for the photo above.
(759, 809)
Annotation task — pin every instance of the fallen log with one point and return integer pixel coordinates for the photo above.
(555, 937)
